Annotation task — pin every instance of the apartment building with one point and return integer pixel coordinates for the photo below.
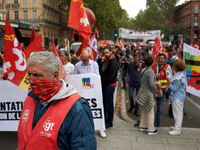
(45, 15)
(187, 14)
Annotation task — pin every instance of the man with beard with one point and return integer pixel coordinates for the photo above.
(109, 70)
(54, 116)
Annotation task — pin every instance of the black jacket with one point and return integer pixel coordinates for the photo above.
(109, 72)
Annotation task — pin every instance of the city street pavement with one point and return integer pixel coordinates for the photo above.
(124, 136)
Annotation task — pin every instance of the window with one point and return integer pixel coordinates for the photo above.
(8, 15)
(196, 19)
(7, 2)
(16, 16)
(34, 2)
(25, 2)
(34, 16)
(15, 1)
(196, 8)
(25, 16)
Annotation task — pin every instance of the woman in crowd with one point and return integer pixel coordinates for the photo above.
(145, 97)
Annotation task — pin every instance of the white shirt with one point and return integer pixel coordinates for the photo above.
(92, 67)
(69, 68)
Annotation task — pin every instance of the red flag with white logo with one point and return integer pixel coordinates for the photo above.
(86, 46)
(15, 65)
(157, 48)
(34, 47)
(55, 51)
(78, 19)
(196, 45)
(180, 45)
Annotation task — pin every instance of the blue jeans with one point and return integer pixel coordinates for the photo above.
(123, 77)
(160, 103)
(131, 90)
(108, 92)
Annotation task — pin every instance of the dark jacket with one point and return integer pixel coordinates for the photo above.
(109, 71)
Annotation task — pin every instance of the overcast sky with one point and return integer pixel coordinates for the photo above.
(133, 6)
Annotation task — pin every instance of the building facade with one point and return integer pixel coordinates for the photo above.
(187, 14)
(43, 15)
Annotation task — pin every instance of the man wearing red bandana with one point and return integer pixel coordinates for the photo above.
(54, 116)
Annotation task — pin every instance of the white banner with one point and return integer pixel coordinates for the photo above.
(138, 34)
(11, 104)
(12, 99)
(192, 60)
(89, 87)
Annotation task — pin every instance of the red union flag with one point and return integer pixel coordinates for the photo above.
(196, 45)
(78, 18)
(34, 47)
(55, 51)
(14, 66)
(86, 46)
(157, 48)
(33, 35)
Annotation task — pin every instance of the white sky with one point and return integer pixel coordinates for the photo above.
(134, 6)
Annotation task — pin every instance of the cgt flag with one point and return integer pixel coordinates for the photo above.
(14, 66)
(55, 51)
(157, 48)
(96, 32)
(78, 18)
(86, 46)
(192, 60)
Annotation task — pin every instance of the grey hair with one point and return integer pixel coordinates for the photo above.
(50, 61)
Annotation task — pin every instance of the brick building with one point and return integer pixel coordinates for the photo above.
(187, 14)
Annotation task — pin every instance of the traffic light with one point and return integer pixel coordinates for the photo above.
(115, 33)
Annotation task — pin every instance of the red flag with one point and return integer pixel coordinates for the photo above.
(157, 48)
(33, 35)
(96, 32)
(73, 35)
(93, 44)
(86, 46)
(180, 45)
(117, 41)
(196, 45)
(15, 66)
(34, 47)
(78, 19)
(55, 51)
(139, 43)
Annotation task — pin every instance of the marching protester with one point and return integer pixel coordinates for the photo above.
(54, 116)
(124, 61)
(86, 65)
(133, 81)
(74, 58)
(162, 71)
(145, 97)
(69, 67)
(109, 70)
(177, 98)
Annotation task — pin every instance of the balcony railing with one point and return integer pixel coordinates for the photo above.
(15, 5)
(196, 11)
(195, 24)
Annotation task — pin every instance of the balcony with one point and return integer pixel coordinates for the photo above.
(196, 12)
(7, 6)
(15, 5)
(195, 24)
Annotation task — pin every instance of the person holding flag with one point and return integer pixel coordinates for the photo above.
(162, 71)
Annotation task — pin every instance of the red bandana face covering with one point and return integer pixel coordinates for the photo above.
(44, 89)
